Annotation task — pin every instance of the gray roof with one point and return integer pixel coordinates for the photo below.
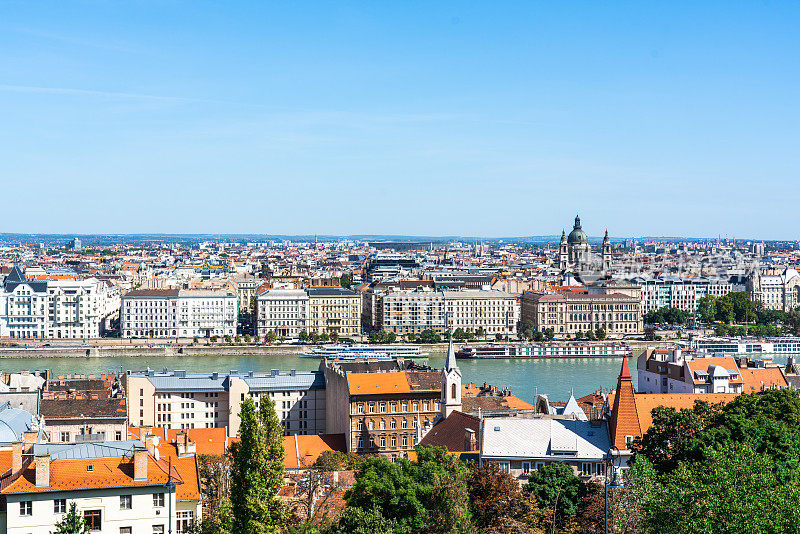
(13, 422)
(510, 437)
(285, 380)
(87, 450)
(269, 381)
(330, 292)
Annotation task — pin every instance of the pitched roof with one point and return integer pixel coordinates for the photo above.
(452, 431)
(511, 437)
(647, 402)
(758, 379)
(302, 451)
(624, 417)
(378, 383)
(83, 408)
(74, 474)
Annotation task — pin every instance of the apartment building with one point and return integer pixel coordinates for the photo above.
(119, 487)
(65, 308)
(680, 293)
(282, 311)
(164, 313)
(567, 313)
(493, 312)
(382, 407)
(181, 400)
(334, 310)
(411, 312)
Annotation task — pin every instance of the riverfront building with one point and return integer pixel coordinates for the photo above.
(680, 293)
(567, 313)
(410, 312)
(62, 308)
(181, 400)
(777, 289)
(282, 311)
(165, 313)
(334, 310)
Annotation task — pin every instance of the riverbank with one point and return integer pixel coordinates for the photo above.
(131, 350)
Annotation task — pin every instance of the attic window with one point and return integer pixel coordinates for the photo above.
(90, 468)
(497, 429)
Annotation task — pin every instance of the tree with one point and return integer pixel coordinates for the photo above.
(334, 336)
(557, 489)
(734, 490)
(303, 337)
(228, 338)
(72, 522)
(496, 500)
(600, 334)
(247, 338)
(345, 282)
(578, 334)
(360, 521)
(794, 321)
(590, 335)
(237, 339)
(257, 470)
(429, 336)
(550, 334)
(706, 308)
(271, 337)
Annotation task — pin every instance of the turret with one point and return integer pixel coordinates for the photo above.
(606, 252)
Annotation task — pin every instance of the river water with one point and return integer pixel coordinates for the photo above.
(525, 377)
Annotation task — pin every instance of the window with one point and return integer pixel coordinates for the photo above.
(26, 508)
(504, 466)
(125, 530)
(92, 518)
(125, 502)
(64, 437)
(158, 500)
(158, 529)
(185, 521)
(453, 390)
(118, 435)
(526, 467)
(628, 441)
(60, 506)
(587, 469)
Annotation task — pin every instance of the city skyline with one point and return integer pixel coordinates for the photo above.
(407, 119)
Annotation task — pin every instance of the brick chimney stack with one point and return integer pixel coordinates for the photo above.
(140, 464)
(29, 438)
(16, 457)
(42, 470)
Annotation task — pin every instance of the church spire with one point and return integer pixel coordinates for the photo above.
(451, 382)
(450, 363)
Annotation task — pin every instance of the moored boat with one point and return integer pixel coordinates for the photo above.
(575, 349)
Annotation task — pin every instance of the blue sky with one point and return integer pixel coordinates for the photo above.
(421, 118)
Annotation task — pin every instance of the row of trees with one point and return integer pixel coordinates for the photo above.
(667, 315)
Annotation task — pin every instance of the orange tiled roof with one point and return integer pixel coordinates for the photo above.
(307, 448)
(376, 383)
(207, 440)
(702, 364)
(107, 473)
(759, 379)
(646, 402)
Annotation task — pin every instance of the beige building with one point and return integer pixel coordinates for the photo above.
(777, 289)
(411, 312)
(182, 400)
(616, 313)
(334, 309)
(246, 292)
(493, 312)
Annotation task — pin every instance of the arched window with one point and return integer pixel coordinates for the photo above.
(453, 390)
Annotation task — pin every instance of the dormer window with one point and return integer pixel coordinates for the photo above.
(90, 468)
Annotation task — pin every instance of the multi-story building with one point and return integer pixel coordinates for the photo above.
(246, 292)
(681, 293)
(381, 406)
(567, 313)
(492, 312)
(182, 400)
(776, 289)
(282, 311)
(178, 313)
(411, 312)
(116, 486)
(55, 309)
(334, 309)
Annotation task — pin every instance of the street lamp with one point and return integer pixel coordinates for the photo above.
(615, 481)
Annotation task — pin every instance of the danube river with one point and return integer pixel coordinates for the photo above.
(525, 377)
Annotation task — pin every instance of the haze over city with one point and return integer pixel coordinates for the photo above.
(487, 119)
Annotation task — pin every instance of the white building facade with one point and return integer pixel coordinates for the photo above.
(282, 311)
(164, 313)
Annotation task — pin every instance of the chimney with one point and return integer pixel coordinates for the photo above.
(16, 457)
(150, 443)
(42, 470)
(184, 444)
(140, 463)
(470, 441)
(29, 438)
